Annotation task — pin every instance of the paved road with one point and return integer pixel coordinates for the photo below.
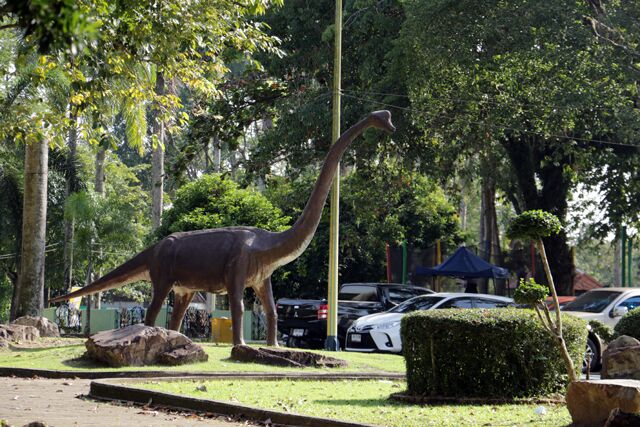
(56, 403)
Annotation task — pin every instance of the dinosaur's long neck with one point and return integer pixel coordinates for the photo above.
(292, 242)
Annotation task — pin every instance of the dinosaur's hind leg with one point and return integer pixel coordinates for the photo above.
(180, 304)
(160, 292)
(265, 294)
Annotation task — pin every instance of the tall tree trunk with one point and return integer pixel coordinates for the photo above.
(531, 168)
(157, 168)
(488, 223)
(217, 155)
(617, 259)
(34, 223)
(99, 179)
(15, 282)
(99, 189)
(71, 186)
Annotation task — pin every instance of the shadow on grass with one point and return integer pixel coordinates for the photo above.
(15, 349)
(84, 362)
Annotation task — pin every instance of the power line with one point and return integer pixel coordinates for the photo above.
(573, 138)
(7, 256)
(486, 100)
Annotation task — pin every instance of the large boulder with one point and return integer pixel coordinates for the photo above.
(139, 345)
(46, 327)
(18, 333)
(590, 402)
(621, 359)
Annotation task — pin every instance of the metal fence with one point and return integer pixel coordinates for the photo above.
(196, 323)
(68, 319)
(131, 316)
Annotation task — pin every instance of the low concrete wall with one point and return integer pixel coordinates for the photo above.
(107, 318)
(102, 319)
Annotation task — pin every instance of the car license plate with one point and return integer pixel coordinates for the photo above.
(356, 338)
(297, 332)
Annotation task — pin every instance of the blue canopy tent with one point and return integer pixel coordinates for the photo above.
(465, 265)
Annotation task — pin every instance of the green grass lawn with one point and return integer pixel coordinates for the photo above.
(69, 357)
(361, 401)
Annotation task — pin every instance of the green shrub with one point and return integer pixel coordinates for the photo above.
(530, 292)
(629, 325)
(534, 224)
(487, 353)
(602, 330)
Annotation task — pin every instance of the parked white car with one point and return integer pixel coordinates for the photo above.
(381, 331)
(607, 305)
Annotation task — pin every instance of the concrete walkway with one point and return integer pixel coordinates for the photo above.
(56, 403)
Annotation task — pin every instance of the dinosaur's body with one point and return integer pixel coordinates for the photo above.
(227, 260)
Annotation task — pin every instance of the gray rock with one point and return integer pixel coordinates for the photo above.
(191, 353)
(46, 327)
(135, 345)
(590, 402)
(18, 333)
(621, 362)
(623, 341)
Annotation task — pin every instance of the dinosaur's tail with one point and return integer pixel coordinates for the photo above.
(137, 268)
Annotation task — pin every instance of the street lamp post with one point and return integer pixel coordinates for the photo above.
(331, 343)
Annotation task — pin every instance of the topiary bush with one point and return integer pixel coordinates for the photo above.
(629, 325)
(500, 353)
(530, 292)
(534, 224)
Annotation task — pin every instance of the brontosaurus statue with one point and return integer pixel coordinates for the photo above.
(232, 258)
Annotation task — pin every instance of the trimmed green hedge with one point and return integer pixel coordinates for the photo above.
(487, 353)
(629, 325)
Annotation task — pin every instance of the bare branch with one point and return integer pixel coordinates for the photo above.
(7, 26)
(542, 319)
(605, 33)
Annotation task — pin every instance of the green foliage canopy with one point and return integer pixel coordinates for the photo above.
(534, 225)
(386, 205)
(213, 201)
(531, 293)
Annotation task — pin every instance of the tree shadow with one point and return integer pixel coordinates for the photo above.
(84, 362)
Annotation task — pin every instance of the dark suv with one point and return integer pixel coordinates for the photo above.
(303, 323)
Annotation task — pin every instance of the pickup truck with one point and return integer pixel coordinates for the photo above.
(303, 323)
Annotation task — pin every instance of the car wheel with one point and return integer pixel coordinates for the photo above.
(593, 353)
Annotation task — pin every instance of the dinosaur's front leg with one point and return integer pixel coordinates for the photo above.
(265, 294)
(236, 305)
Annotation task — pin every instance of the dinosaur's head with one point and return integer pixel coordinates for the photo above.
(382, 120)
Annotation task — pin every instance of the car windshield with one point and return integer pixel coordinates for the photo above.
(358, 293)
(592, 302)
(417, 303)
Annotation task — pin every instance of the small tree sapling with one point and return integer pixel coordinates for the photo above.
(534, 225)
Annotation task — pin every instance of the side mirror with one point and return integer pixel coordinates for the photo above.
(620, 311)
